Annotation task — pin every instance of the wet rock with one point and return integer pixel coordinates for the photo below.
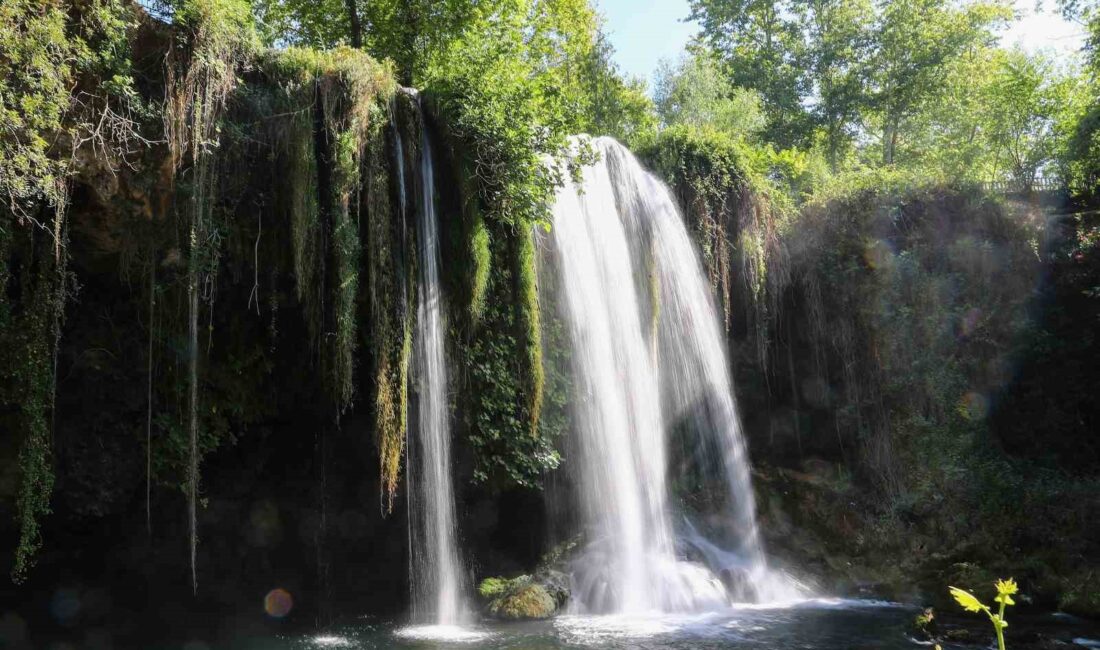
(960, 635)
(925, 626)
(738, 584)
(519, 599)
(1081, 598)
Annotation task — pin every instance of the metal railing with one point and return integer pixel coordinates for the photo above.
(1039, 184)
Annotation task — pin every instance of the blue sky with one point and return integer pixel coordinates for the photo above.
(645, 31)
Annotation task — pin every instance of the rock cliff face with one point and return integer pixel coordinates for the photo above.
(290, 302)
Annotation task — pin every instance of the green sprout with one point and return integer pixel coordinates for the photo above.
(1005, 590)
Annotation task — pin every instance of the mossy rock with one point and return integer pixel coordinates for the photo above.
(525, 603)
(1081, 599)
(519, 599)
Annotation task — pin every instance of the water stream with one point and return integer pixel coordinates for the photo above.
(438, 584)
(647, 352)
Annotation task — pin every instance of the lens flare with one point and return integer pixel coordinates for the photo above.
(278, 603)
(974, 406)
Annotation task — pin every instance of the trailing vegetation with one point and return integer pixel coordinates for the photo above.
(736, 214)
(215, 40)
(29, 331)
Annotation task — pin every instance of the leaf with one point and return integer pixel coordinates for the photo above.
(967, 600)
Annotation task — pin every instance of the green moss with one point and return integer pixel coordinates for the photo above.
(525, 603)
(337, 103)
(517, 598)
(529, 326)
(495, 362)
(466, 238)
(389, 308)
(493, 587)
(480, 259)
(1081, 597)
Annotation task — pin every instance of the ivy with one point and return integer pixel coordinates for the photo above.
(498, 416)
(33, 282)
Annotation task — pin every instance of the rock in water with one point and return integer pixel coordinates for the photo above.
(522, 598)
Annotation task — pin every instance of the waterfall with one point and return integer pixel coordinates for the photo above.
(437, 580)
(647, 352)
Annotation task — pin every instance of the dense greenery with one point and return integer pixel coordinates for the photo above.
(923, 86)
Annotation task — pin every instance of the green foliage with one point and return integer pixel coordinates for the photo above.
(761, 45)
(1005, 590)
(308, 23)
(559, 45)
(498, 410)
(47, 105)
(915, 43)
(29, 331)
(34, 91)
(1081, 161)
(695, 92)
(735, 211)
(999, 116)
(495, 109)
(530, 328)
(64, 84)
(920, 84)
(838, 32)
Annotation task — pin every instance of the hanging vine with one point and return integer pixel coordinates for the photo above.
(30, 329)
(737, 220)
(337, 103)
(215, 39)
(390, 324)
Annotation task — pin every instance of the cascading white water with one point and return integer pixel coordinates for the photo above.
(616, 238)
(438, 584)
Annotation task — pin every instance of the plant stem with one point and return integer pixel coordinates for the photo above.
(999, 624)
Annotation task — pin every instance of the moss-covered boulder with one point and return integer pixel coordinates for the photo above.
(1081, 598)
(519, 599)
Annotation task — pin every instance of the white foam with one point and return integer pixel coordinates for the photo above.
(444, 633)
(328, 641)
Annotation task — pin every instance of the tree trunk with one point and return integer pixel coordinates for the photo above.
(356, 27)
(889, 140)
(834, 144)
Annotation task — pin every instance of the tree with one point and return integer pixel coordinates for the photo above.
(1030, 101)
(695, 92)
(314, 23)
(839, 33)
(761, 45)
(914, 43)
